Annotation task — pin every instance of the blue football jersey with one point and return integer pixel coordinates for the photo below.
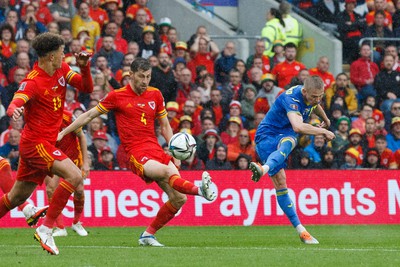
(276, 121)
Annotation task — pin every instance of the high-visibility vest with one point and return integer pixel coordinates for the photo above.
(272, 31)
(293, 30)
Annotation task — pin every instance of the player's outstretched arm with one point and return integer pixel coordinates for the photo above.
(304, 128)
(319, 111)
(82, 120)
(85, 158)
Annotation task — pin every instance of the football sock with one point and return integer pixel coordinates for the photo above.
(5, 205)
(182, 185)
(58, 202)
(164, 215)
(60, 221)
(6, 180)
(79, 202)
(287, 206)
(277, 158)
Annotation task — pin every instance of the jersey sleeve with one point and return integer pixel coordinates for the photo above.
(26, 90)
(108, 103)
(160, 104)
(83, 82)
(291, 103)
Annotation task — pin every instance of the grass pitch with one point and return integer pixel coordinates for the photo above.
(210, 246)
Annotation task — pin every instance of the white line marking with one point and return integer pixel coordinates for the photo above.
(308, 248)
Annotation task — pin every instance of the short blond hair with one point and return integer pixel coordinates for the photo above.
(313, 82)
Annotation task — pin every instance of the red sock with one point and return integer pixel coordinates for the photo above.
(58, 202)
(182, 185)
(60, 221)
(5, 205)
(79, 202)
(164, 215)
(6, 179)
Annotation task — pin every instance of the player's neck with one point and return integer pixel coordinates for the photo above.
(47, 66)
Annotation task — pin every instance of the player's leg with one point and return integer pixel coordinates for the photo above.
(18, 194)
(288, 207)
(51, 185)
(31, 213)
(79, 202)
(166, 213)
(161, 172)
(72, 178)
(272, 158)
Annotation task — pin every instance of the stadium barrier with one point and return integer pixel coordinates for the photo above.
(321, 197)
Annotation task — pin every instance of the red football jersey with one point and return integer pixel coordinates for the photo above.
(285, 71)
(44, 98)
(135, 115)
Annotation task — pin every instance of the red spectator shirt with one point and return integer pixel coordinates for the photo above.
(43, 97)
(99, 15)
(285, 71)
(201, 59)
(371, 15)
(135, 115)
(387, 158)
(327, 77)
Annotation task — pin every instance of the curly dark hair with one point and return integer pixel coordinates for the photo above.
(46, 43)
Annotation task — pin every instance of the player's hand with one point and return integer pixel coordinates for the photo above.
(329, 135)
(325, 124)
(18, 112)
(82, 58)
(85, 170)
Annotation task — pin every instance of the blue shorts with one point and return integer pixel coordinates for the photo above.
(269, 144)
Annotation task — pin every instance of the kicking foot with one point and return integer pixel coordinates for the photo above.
(257, 171)
(78, 228)
(205, 187)
(60, 232)
(33, 214)
(44, 236)
(149, 240)
(308, 239)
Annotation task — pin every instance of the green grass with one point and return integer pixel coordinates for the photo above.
(210, 246)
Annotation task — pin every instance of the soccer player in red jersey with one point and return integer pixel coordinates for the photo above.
(41, 97)
(136, 108)
(74, 145)
(31, 213)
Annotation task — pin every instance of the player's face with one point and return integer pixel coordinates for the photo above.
(140, 80)
(313, 96)
(57, 57)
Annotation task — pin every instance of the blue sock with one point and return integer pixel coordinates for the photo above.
(287, 206)
(277, 158)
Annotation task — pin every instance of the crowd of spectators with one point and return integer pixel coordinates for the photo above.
(209, 92)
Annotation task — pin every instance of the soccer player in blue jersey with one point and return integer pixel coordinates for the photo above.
(277, 136)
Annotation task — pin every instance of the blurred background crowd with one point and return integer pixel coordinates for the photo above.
(211, 93)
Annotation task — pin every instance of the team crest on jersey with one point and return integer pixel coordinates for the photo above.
(152, 104)
(57, 153)
(22, 86)
(61, 81)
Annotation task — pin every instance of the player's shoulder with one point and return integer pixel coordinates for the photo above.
(152, 89)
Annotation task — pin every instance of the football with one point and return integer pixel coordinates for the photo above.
(182, 146)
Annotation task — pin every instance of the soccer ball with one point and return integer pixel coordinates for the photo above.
(182, 146)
